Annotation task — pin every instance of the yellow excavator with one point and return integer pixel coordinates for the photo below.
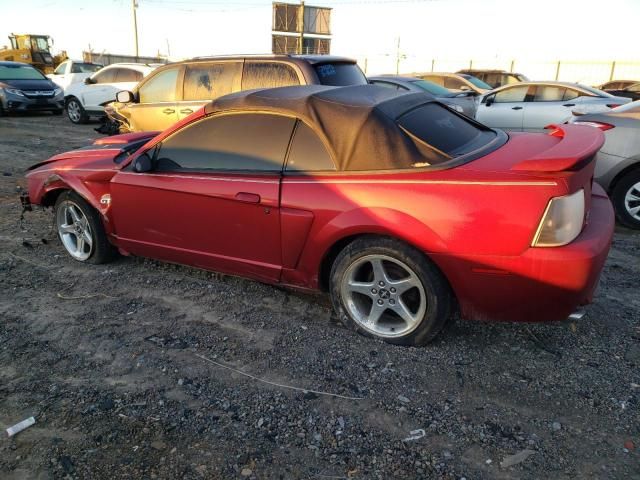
(33, 49)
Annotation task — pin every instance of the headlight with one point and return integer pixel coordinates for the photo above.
(57, 91)
(14, 91)
(562, 221)
(457, 108)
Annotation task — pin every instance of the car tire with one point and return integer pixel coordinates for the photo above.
(76, 112)
(80, 230)
(386, 289)
(626, 199)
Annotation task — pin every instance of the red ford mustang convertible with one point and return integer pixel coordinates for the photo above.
(397, 206)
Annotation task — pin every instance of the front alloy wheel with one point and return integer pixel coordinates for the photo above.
(75, 111)
(81, 230)
(74, 230)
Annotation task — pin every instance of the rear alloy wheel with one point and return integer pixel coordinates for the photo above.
(626, 200)
(80, 230)
(76, 112)
(385, 289)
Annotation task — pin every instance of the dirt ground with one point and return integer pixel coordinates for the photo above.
(109, 361)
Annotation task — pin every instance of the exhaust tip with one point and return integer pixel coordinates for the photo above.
(577, 315)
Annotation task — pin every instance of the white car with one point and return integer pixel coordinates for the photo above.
(73, 71)
(88, 98)
(531, 106)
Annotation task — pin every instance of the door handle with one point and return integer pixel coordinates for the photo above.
(168, 111)
(186, 110)
(569, 105)
(248, 197)
(516, 108)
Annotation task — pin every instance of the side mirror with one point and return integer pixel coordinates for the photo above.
(489, 100)
(143, 164)
(125, 96)
(89, 81)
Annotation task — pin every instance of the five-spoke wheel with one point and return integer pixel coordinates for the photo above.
(81, 230)
(387, 289)
(626, 199)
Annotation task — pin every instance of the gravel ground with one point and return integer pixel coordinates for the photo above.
(127, 369)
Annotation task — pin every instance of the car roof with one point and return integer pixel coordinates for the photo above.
(8, 63)
(358, 122)
(402, 78)
(142, 67)
(310, 59)
(550, 83)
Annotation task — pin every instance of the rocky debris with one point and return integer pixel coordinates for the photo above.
(517, 458)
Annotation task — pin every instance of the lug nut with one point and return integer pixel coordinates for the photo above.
(381, 283)
(392, 301)
(380, 302)
(374, 291)
(393, 290)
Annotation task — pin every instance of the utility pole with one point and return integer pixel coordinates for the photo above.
(301, 25)
(398, 57)
(134, 5)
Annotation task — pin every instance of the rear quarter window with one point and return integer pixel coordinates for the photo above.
(268, 75)
(440, 134)
(340, 74)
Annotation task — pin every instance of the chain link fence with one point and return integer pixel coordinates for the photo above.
(586, 72)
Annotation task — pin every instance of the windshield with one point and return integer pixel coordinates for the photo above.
(20, 72)
(340, 74)
(628, 107)
(85, 67)
(432, 88)
(477, 82)
(594, 91)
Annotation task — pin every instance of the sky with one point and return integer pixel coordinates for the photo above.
(486, 31)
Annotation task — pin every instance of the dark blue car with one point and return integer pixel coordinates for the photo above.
(25, 89)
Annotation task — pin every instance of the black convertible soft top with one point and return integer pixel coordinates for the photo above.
(357, 122)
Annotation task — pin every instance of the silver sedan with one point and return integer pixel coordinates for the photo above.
(531, 106)
(463, 102)
(618, 161)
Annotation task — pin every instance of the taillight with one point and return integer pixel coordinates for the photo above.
(601, 125)
(613, 105)
(562, 221)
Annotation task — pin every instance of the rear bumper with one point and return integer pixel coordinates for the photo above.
(542, 284)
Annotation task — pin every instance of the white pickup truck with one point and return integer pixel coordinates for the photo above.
(73, 71)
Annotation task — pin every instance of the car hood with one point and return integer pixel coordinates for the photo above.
(29, 84)
(101, 154)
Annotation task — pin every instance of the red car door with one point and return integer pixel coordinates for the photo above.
(211, 199)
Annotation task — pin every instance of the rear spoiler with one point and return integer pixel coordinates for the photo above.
(577, 143)
(125, 138)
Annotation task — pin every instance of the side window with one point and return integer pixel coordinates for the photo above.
(549, 94)
(510, 95)
(634, 88)
(128, 75)
(209, 81)
(160, 88)
(386, 85)
(236, 142)
(61, 69)
(454, 83)
(268, 75)
(105, 76)
(570, 94)
(308, 153)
